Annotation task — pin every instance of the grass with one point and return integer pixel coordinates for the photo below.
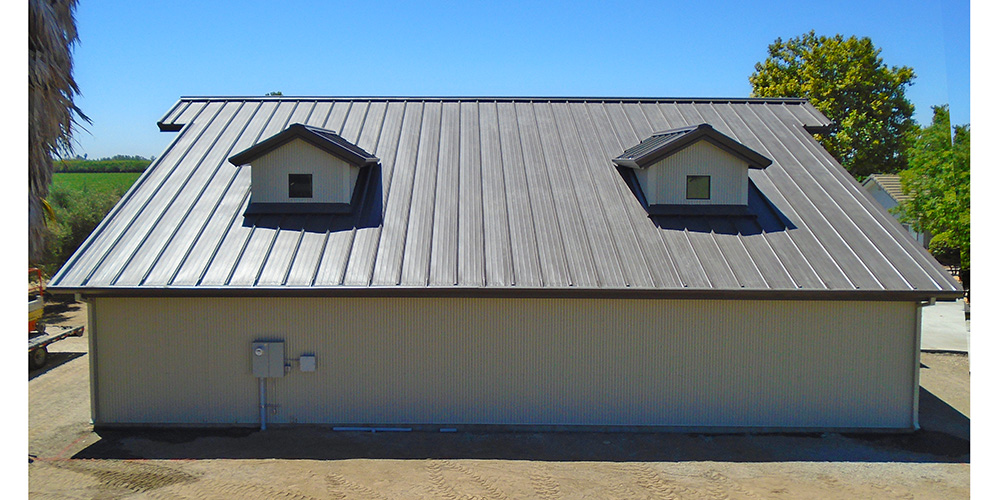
(94, 182)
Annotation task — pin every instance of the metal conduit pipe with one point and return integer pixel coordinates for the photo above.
(263, 404)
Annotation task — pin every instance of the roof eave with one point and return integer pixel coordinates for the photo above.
(518, 292)
(626, 162)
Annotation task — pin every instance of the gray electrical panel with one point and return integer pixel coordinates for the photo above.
(307, 362)
(268, 359)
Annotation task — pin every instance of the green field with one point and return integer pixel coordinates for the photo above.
(94, 182)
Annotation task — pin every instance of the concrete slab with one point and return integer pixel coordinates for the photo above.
(945, 328)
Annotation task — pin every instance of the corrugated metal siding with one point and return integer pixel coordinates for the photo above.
(333, 179)
(800, 364)
(499, 193)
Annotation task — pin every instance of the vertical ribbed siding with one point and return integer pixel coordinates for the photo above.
(333, 179)
(668, 184)
(795, 364)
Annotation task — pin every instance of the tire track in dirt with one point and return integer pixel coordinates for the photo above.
(247, 491)
(436, 473)
(337, 484)
(656, 485)
(486, 484)
(651, 482)
(545, 486)
(623, 488)
(724, 483)
(436, 470)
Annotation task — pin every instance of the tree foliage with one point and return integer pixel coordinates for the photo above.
(77, 211)
(847, 81)
(51, 112)
(938, 183)
(104, 165)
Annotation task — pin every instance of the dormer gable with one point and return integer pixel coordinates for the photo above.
(303, 169)
(692, 170)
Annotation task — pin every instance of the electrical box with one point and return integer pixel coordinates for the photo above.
(268, 359)
(307, 362)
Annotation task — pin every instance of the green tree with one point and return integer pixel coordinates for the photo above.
(847, 81)
(51, 112)
(938, 183)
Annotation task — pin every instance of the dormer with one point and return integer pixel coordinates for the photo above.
(303, 169)
(692, 170)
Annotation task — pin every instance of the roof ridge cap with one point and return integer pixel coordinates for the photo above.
(763, 100)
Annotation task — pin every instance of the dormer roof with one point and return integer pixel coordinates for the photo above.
(327, 140)
(663, 144)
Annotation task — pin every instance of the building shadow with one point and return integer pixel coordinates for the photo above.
(757, 217)
(944, 440)
(59, 308)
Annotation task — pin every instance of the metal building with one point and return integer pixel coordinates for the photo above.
(593, 262)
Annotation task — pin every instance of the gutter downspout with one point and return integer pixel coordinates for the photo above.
(91, 354)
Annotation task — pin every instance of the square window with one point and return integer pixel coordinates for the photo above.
(699, 187)
(300, 185)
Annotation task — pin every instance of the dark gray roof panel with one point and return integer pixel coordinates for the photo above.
(496, 194)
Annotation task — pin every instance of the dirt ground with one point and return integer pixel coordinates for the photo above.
(68, 460)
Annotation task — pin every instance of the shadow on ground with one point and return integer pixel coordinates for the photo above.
(944, 439)
(55, 360)
(58, 308)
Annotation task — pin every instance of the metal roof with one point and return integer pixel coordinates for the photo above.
(499, 197)
(662, 144)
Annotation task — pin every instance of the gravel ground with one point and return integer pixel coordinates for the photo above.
(68, 460)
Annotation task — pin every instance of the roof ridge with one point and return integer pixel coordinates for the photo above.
(763, 100)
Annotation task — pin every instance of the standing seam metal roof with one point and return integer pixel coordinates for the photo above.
(498, 195)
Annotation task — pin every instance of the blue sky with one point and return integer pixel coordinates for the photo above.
(135, 59)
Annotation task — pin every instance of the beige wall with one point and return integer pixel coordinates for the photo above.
(333, 178)
(665, 182)
(498, 361)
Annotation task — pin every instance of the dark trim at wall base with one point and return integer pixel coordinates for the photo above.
(509, 428)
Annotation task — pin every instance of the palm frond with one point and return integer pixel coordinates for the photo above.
(52, 115)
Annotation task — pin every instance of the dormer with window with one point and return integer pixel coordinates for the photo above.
(692, 170)
(303, 169)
